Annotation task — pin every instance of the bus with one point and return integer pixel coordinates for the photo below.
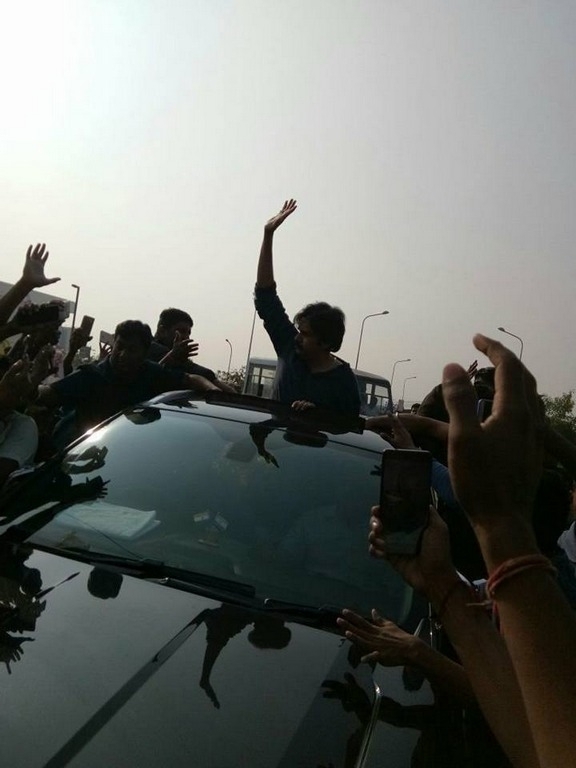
(375, 390)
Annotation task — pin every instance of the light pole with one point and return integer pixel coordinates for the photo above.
(75, 308)
(406, 360)
(404, 387)
(246, 372)
(516, 337)
(229, 358)
(375, 314)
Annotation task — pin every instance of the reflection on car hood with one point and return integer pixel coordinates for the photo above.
(155, 676)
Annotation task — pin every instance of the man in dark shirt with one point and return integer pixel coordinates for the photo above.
(308, 372)
(173, 347)
(96, 391)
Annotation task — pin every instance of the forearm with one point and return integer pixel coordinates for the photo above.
(12, 298)
(68, 363)
(539, 630)
(225, 387)
(265, 274)
(200, 383)
(490, 673)
(422, 426)
(442, 672)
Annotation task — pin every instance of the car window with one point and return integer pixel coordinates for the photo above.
(285, 512)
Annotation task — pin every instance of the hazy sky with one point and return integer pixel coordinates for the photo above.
(430, 144)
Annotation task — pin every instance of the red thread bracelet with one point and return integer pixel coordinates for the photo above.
(513, 567)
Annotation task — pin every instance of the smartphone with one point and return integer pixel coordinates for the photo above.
(484, 409)
(405, 499)
(87, 323)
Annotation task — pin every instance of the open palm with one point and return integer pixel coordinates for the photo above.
(288, 208)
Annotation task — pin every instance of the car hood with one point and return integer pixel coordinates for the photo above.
(158, 676)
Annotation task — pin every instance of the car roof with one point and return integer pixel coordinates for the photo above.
(249, 409)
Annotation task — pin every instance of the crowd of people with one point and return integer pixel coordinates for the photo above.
(497, 559)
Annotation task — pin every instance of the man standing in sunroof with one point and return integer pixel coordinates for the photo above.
(309, 373)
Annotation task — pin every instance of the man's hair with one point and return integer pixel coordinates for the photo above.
(327, 323)
(134, 329)
(171, 316)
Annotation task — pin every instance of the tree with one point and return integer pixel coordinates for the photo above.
(560, 412)
(235, 378)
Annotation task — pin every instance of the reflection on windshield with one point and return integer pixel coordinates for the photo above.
(224, 623)
(21, 601)
(284, 510)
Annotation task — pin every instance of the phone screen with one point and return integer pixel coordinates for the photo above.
(405, 498)
(87, 323)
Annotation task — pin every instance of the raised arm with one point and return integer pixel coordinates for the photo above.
(265, 274)
(495, 469)
(78, 339)
(480, 648)
(32, 277)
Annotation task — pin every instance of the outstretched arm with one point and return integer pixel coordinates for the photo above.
(383, 641)
(32, 277)
(199, 383)
(417, 426)
(265, 274)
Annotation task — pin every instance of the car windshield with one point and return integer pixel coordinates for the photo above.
(284, 511)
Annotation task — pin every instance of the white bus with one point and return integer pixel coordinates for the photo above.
(375, 391)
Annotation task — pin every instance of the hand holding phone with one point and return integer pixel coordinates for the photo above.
(404, 499)
(86, 324)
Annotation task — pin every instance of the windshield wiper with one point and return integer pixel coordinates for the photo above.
(320, 612)
(158, 570)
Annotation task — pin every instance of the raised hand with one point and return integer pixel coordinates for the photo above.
(105, 350)
(273, 223)
(380, 640)
(182, 350)
(495, 465)
(79, 338)
(33, 272)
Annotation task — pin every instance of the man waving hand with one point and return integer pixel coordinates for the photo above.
(309, 373)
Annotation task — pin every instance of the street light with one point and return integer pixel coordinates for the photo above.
(246, 372)
(406, 360)
(375, 314)
(516, 337)
(404, 387)
(229, 358)
(75, 308)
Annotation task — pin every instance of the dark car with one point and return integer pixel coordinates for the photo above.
(168, 594)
